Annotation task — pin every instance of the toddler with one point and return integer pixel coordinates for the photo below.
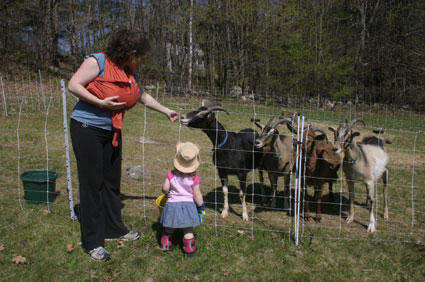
(185, 207)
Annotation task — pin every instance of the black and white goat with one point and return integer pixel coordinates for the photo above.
(233, 153)
(366, 162)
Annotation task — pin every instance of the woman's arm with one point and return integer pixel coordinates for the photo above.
(88, 71)
(153, 104)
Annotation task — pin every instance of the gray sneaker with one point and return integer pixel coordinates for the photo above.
(130, 236)
(100, 254)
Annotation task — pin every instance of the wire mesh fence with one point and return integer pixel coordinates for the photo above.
(33, 131)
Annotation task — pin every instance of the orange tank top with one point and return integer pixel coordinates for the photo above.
(120, 82)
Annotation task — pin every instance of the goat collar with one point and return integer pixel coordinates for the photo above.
(355, 159)
(223, 142)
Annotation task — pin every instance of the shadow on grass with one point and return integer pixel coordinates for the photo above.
(339, 207)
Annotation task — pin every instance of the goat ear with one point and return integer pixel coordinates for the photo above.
(355, 134)
(256, 121)
(332, 128)
(211, 116)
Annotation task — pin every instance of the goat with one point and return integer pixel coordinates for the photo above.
(278, 157)
(366, 162)
(319, 165)
(233, 153)
(322, 165)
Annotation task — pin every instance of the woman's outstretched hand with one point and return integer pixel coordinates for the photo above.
(173, 116)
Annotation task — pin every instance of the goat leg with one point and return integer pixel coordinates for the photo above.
(273, 181)
(225, 211)
(318, 192)
(242, 195)
(286, 192)
(331, 194)
(263, 194)
(304, 195)
(385, 180)
(350, 217)
(371, 192)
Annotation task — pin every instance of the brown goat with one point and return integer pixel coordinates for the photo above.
(319, 165)
(278, 157)
(322, 167)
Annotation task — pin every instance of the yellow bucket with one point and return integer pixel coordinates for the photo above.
(160, 202)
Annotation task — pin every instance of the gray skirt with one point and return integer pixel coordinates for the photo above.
(180, 215)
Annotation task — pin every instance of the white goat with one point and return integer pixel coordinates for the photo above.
(365, 162)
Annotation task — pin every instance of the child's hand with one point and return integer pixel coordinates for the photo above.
(202, 215)
(201, 212)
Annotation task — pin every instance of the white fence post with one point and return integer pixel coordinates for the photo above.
(43, 96)
(4, 97)
(68, 163)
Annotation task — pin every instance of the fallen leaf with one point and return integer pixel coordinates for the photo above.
(69, 248)
(160, 259)
(19, 260)
(46, 212)
(241, 232)
(93, 274)
(225, 273)
(120, 244)
(149, 279)
(1, 247)
(283, 244)
(299, 254)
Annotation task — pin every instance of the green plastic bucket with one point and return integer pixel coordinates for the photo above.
(39, 185)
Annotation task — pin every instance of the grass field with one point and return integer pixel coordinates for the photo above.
(41, 243)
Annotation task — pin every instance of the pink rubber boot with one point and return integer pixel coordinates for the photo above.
(166, 241)
(189, 246)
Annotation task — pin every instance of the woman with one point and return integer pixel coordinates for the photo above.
(106, 85)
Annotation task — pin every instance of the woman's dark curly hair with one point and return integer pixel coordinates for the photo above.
(122, 41)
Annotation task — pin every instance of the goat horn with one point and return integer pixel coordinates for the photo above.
(270, 121)
(318, 129)
(212, 104)
(213, 108)
(280, 121)
(293, 120)
(354, 121)
(217, 108)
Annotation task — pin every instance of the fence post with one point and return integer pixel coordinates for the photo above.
(68, 163)
(4, 97)
(43, 96)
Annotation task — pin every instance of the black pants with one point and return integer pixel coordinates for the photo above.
(99, 176)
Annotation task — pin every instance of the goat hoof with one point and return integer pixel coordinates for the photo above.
(371, 228)
(349, 219)
(224, 213)
(317, 219)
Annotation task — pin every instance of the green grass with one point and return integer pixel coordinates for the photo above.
(229, 255)
(229, 249)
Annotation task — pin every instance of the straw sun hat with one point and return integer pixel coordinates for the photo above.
(187, 157)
